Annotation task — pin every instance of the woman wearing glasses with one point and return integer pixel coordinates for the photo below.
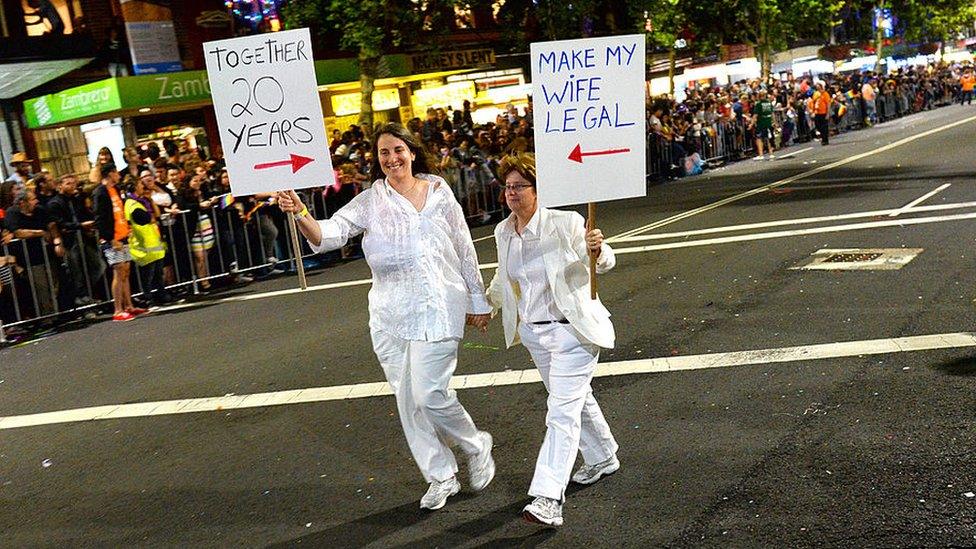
(426, 287)
(542, 287)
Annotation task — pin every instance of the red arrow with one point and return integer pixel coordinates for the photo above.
(577, 155)
(297, 162)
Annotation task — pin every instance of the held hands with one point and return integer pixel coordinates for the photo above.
(478, 321)
(289, 202)
(594, 241)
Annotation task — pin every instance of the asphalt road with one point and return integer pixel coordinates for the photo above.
(865, 449)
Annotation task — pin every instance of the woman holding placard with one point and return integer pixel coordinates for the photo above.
(542, 286)
(426, 287)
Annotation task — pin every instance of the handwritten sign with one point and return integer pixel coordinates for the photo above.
(588, 103)
(268, 111)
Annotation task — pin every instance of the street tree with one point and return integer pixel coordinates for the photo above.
(527, 20)
(664, 22)
(370, 29)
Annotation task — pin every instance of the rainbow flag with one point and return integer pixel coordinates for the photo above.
(226, 200)
(850, 94)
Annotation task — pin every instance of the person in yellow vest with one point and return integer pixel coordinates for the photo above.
(145, 242)
(821, 109)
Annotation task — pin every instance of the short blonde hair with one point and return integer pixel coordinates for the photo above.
(523, 163)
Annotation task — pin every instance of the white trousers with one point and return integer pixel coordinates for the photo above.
(574, 421)
(432, 417)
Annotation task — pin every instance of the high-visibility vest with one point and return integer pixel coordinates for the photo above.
(821, 102)
(145, 243)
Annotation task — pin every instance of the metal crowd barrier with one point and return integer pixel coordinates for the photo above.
(478, 191)
(80, 281)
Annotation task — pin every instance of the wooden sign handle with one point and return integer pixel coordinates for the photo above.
(297, 250)
(590, 224)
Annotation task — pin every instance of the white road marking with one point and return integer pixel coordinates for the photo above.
(797, 232)
(794, 153)
(919, 200)
(800, 353)
(797, 221)
(637, 249)
(786, 181)
(492, 235)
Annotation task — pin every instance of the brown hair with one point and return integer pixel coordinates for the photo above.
(421, 163)
(523, 163)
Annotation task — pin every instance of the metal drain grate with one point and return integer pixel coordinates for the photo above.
(851, 258)
(859, 259)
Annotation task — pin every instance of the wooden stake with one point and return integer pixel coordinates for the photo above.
(590, 224)
(297, 250)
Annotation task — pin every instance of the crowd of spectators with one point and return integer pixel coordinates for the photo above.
(68, 242)
(719, 122)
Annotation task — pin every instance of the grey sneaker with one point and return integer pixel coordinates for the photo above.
(481, 465)
(439, 491)
(588, 474)
(544, 510)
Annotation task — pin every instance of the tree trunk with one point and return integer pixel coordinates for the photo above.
(878, 34)
(368, 68)
(671, 61)
(763, 50)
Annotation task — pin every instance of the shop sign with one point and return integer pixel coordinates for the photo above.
(450, 95)
(268, 112)
(344, 104)
(213, 19)
(95, 98)
(151, 36)
(164, 89)
(448, 60)
(588, 102)
(189, 88)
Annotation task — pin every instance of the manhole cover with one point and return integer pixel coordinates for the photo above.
(859, 259)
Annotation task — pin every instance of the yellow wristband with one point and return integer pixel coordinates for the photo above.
(304, 212)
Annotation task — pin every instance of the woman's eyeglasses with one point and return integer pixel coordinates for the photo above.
(516, 188)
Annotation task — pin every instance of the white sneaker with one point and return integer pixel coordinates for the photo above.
(439, 491)
(544, 510)
(758, 158)
(481, 465)
(588, 474)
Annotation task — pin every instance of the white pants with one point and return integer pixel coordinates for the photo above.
(432, 417)
(574, 420)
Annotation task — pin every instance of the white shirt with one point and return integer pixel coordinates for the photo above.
(527, 268)
(162, 199)
(425, 270)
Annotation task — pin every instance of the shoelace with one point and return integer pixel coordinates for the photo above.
(589, 470)
(551, 506)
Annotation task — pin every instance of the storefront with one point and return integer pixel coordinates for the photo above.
(70, 126)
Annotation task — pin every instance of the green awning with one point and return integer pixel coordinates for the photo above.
(189, 88)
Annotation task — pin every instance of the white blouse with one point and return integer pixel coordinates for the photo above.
(527, 267)
(425, 270)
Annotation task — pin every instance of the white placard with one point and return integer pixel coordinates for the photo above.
(267, 104)
(588, 103)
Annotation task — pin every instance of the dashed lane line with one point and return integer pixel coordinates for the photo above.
(780, 355)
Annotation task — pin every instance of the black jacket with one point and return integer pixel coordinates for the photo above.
(104, 219)
(69, 212)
